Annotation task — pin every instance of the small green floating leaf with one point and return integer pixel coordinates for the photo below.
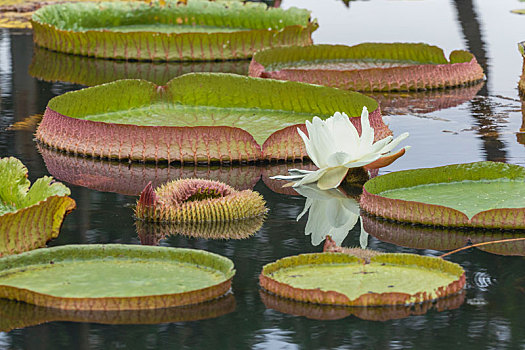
(198, 31)
(340, 279)
(482, 194)
(369, 66)
(29, 215)
(114, 277)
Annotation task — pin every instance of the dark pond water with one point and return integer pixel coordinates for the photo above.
(452, 126)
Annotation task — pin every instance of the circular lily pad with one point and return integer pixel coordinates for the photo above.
(369, 66)
(341, 279)
(196, 118)
(114, 277)
(198, 31)
(481, 194)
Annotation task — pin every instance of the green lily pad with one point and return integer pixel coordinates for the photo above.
(29, 216)
(369, 66)
(15, 314)
(198, 31)
(482, 194)
(56, 66)
(341, 279)
(197, 117)
(441, 238)
(114, 277)
(378, 313)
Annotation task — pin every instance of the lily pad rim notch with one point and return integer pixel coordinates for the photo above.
(440, 215)
(330, 297)
(430, 68)
(264, 27)
(110, 253)
(63, 127)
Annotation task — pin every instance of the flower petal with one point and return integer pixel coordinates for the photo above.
(385, 160)
(312, 177)
(367, 133)
(310, 148)
(332, 178)
(394, 143)
(338, 159)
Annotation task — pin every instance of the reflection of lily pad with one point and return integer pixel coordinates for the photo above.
(421, 102)
(198, 117)
(340, 279)
(15, 314)
(150, 233)
(369, 66)
(521, 84)
(114, 277)
(482, 194)
(336, 312)
(29, 217)
(56, 66)
(130, 179)
(425, 237)
(198, 31)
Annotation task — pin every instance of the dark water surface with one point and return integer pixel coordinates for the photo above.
(452, 126)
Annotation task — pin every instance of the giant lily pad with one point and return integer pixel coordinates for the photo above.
(29, 217)
(336, 312)
(340, 279)
(440, 238)
(198, 31)
(15, 314)
(197, 117)
(482, 194)
(369, 66)
(114, 277)
(57, 66)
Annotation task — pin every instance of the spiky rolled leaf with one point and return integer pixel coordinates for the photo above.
(29, 216)
(197, 117)
(55, 66)
(369, 66)
(474, 203)
(14, 314)
(114, 277)
(198, 31)
(341, 279)
(189, 201)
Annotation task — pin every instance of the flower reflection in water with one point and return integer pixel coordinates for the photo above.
(332, 213)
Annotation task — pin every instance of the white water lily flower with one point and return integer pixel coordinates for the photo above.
(331, 213)
(335, 146)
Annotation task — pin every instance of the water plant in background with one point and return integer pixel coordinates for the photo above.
(335, 146)
(114, 277)
(30, 216)
(189, 201)
(369, 66)
(480, 194)
(196, 118)
(354, 282)
(198, 31)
